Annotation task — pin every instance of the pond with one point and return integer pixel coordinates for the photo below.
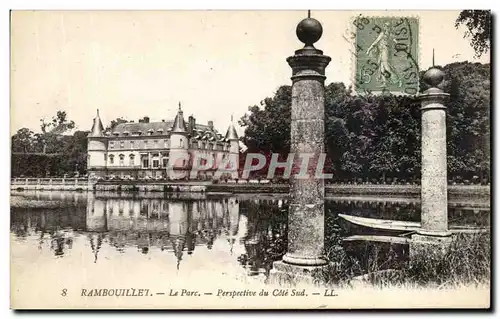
(183, 235)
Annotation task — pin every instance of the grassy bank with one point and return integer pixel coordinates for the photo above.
(466, 261)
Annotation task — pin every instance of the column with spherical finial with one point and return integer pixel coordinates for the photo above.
(305, 249)
(434, 200)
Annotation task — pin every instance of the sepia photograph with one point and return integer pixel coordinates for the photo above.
(250, 159)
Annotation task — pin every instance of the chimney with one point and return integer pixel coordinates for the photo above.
(146, 119)
(191, 124)
(211, 124)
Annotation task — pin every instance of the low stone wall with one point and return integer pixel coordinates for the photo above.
(55, 184)
(148, 187)
(252, 186)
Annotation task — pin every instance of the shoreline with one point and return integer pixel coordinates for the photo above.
(340, 190)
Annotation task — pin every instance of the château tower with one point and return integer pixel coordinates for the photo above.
(234, 149)
(96, 148)
(179, 145)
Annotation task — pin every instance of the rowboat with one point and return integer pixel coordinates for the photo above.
(382, 224)
(400, 226)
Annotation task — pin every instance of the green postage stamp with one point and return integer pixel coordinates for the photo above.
(386, 55)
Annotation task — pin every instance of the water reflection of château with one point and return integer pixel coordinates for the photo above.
(170, 224)
(252, 229)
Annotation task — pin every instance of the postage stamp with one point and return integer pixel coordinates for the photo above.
(386, 54)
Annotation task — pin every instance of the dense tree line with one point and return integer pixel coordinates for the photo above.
(374, 137)
(368, 137)
(52, 151)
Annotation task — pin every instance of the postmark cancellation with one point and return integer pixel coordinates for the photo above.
(386, 54)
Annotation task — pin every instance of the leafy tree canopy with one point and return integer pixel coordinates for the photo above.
(478, 24)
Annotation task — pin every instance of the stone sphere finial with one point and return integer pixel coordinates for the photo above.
(309, 31)
(433, 77)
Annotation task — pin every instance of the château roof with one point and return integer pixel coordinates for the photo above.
(231, 134)
(165, 128)
(158, 128)
(97, 127)
(179, 125)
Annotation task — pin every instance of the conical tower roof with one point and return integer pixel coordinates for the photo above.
(97, 128)
(231, 132)
(179, 125)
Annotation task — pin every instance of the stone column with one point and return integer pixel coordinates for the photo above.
(434, 190)
(306, 212)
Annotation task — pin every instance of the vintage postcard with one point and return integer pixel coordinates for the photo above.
(250, 159)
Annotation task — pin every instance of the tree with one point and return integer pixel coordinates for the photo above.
(468, 118)
(478, 23)
(58, 125)
(23, 141)
(268, 128)
(52, 131)
(75, 152)
(61, 153)
(114, 123)
(378, 136)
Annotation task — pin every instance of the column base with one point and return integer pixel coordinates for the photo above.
(429, 245)
(304, 261)
(288, 275)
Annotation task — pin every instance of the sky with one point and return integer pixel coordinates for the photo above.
(133, 64)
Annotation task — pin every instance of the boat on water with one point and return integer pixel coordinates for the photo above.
(400, 226)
